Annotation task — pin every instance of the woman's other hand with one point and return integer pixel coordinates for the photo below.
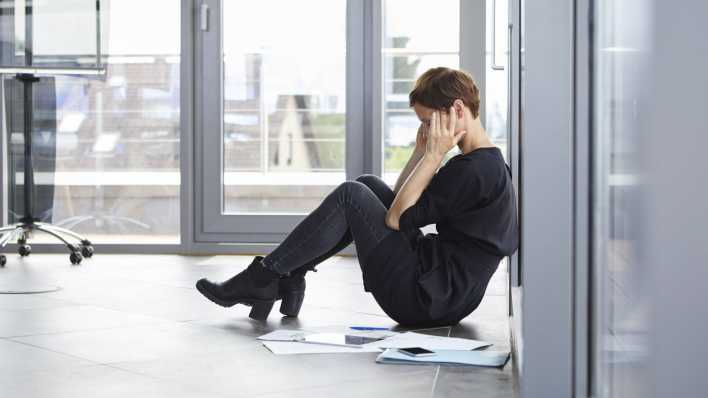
(441, 137)
(421, 138)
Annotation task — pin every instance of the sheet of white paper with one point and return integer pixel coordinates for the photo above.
(284, 335)
(285, 342)
(412, 339)
(290, 348)
(297, 335)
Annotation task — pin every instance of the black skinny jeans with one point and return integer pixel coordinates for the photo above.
(354, 211)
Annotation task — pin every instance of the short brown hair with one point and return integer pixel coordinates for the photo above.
(438, 88)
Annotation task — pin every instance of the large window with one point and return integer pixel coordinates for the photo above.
(273, 82)
(115, 168)
(284, 104)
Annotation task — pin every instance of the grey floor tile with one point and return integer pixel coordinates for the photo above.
(351, 298)
(95, 382)
(411, 385)
(490, 308)
(17, 358)
(21, 302)
(474, 382)
(140, 343)
(65, 319)
(254, 371)
(310, 318)
(166, 302)
(491, 330)
(142, 318)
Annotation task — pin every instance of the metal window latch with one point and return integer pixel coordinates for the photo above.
(204, 17)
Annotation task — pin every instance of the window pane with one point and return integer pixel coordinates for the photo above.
(284, 104)
(64, 32)
(620, 337)
(417, 37)
(496, 91)
(497, 31)
(113, 141)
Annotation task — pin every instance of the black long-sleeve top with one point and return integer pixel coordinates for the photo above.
(471, 200)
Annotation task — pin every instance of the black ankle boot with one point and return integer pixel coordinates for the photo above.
(256, 286)
(292, 291)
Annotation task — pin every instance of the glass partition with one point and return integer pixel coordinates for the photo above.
(619, 295)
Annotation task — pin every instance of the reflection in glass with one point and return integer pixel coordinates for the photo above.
(619, 295)
(284, 104)
(64, 32)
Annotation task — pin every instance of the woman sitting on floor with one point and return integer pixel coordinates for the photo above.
(418, 280)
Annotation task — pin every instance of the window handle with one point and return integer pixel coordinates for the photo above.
(204, 16)
(494, 37)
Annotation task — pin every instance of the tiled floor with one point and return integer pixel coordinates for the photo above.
(134, 326)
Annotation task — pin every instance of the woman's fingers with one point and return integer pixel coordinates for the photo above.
(422, 130)
(438, 125)
(443, 123)
(441, 133)
(452, 120)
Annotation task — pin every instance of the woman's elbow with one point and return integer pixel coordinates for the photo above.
(392, 220)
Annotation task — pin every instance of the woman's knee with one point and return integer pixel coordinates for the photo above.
(355, 192)
(367, 178)
(352, 187)
(372, 181)
(379, 187)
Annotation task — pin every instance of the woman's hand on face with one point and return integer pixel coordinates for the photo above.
(421, 138)
(441, 135)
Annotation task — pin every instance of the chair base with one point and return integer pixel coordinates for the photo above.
(80, 249)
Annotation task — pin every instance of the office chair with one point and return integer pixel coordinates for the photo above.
(29, 223)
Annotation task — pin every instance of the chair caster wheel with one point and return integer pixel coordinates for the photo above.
(24, 250)
(87, 251)
(3, 260)
(75, 258)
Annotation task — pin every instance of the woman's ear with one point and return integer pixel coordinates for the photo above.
(459, 108)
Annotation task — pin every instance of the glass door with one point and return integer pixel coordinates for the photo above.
(620, 339)
(273, 107)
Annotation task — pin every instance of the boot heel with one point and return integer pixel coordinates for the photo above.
(260, 310)
(291, 304)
